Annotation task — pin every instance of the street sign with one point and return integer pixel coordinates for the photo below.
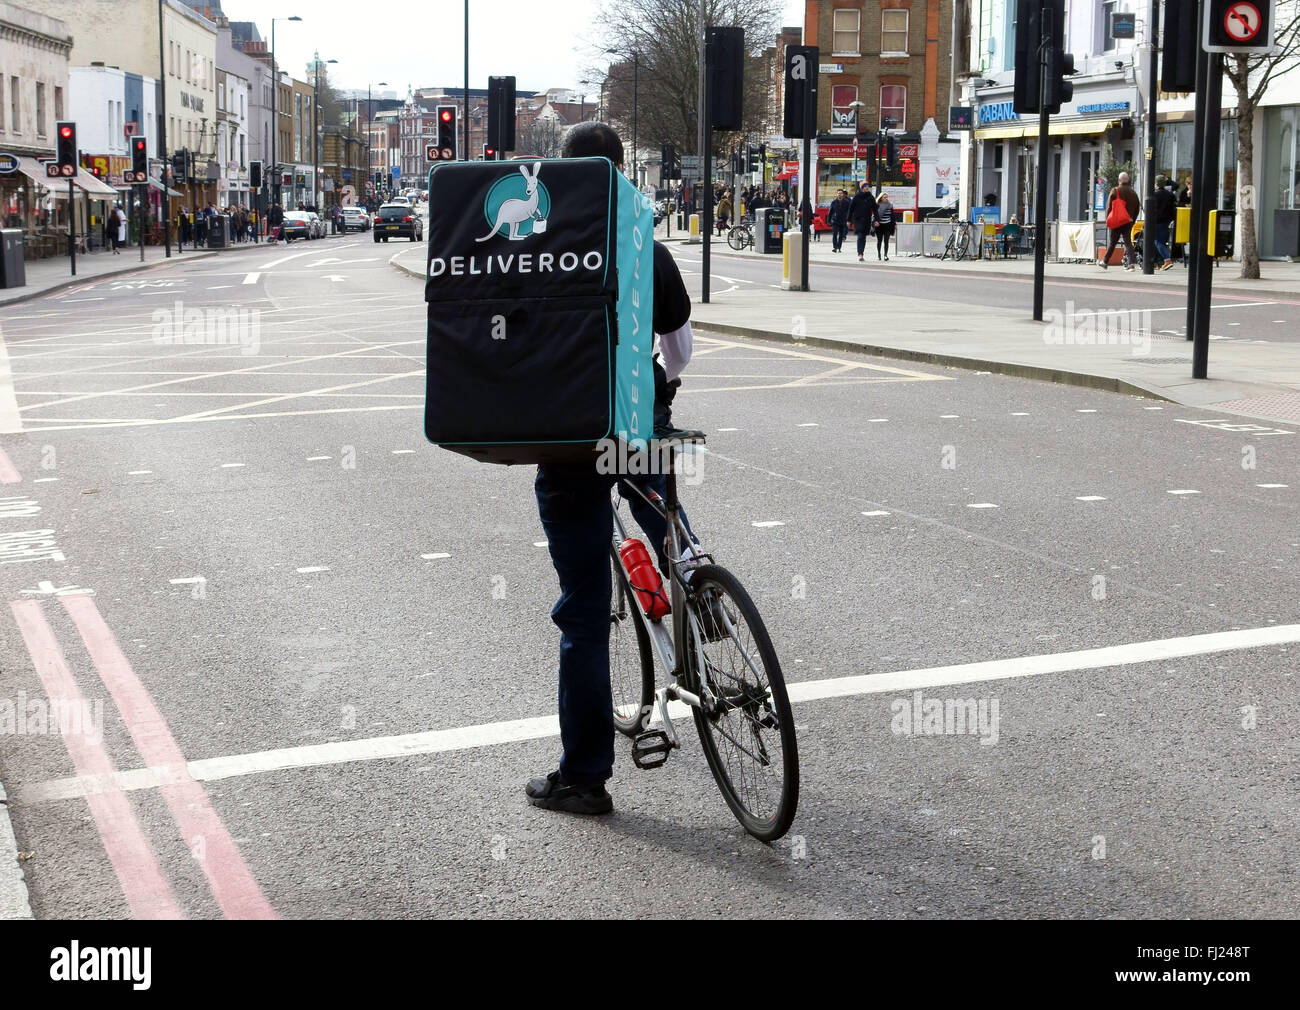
(691, 161)
(1237, 26)
(960, 117)
(8, 164)
(1123, 25)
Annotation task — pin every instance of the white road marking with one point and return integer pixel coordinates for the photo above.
(1020, 413)
(947, 417)
(1217, 306)
(877, 512)
(981, 505)
(539, 543)
(251, 278)
(878, 420)
(1185, 491)
(45, 480)
(232, 466)
(434, 557)
(1272, 485)
(138, 473)
(195, 580)
(808, 424)
(1086, 410)
(767, 523)
(543, 727)
(1090, 497)
(313, 459)
(728, 429)
(1153, 408)
(313, 568)
(402, 452)
(11, 421)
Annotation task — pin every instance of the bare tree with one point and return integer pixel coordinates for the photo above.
(1251, 76)
(665, 34)
(545, 138)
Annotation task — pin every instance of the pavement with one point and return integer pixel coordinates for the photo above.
(318, 665)
(922, 310)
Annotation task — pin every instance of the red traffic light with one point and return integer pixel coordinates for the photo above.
(446, 115)
(139, 144)
(65, 132)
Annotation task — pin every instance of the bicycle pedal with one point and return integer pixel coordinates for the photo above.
(650, 749)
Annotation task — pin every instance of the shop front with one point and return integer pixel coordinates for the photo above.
(841, 165)
(1280, 181)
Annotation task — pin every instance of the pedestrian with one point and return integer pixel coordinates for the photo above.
(862, 211)
(275, 218)
(883, 219)
(1122, 208)
(1161, 211)
(573, 501)
(838, 218)
(120, 235)
(724, 212)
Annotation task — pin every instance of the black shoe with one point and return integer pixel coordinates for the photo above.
(551, 793)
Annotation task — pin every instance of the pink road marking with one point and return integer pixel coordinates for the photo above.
(133, 859)
(201, 828)
(8, 472)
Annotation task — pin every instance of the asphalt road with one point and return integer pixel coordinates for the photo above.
(338, 626)
(1237, 316)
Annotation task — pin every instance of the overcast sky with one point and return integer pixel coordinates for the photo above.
(543, 43)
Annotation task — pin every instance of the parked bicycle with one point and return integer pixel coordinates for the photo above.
(959, 242)
(711, 643)
(741, 235)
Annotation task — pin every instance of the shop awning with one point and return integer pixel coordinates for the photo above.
(158, 185)
(94, 187)
(1059, 128)
(84, 181)
(34, 170)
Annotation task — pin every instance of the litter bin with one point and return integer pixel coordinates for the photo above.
(219, 231)
(771, 222)
(13, 274)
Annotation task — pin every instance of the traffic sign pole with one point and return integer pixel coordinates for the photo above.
(72, 230)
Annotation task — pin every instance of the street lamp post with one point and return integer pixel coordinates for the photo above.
(315, 130)
(857, 128)
(164, 202)
(275, 118)
(370, 164)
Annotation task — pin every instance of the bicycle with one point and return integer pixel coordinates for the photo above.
(958, 244)
(741, 234)
(727, 674)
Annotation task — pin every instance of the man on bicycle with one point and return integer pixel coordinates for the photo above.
(574, 502)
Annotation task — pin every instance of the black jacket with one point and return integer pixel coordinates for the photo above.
(862, 210)
(1161, 206)
(839, 212)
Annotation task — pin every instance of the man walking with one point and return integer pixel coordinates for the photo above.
(862, 212)
(838, 218)
(1161, 210)
(1122, 209)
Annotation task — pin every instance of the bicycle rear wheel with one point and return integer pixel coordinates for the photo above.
(749, 739)
(631, 663)
(737, 238)
(963, 246)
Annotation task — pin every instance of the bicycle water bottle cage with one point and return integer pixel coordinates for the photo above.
(650, 749)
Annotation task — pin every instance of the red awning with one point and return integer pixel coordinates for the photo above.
(785, 175)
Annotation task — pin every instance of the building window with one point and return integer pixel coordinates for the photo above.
(846, 26)
(2, 103)
(844, 114)
(15, 107)
(1105, 36)
(893, 32)
(221, 97)
(58, 103)
(893, 105)
(40, 109)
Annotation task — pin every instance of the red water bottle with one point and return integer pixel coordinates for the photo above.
(644, 577)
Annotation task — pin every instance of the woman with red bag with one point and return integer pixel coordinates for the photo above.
(1122, 209)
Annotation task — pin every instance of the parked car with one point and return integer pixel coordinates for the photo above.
(354, 219)
(296, 225)
(398, 220)
(317, 223)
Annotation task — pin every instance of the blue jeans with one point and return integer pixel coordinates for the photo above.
(574, 504)
(1162, 239)
(839, 232)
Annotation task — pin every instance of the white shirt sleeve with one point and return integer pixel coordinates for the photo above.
(676, 348)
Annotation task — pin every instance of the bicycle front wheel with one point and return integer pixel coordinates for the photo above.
(736, 238)
(748, 737)
(963, 246)
(631, 663)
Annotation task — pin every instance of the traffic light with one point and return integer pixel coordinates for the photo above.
(1060, 64)
(670, 168)
(801, 72)
(446, 133)
(489, 153)
(65, 150)
(1029, 36)
(139, 160)
(501, 113)
(178, 167)
(1181, 47)
(1238, 26)
(254, 175)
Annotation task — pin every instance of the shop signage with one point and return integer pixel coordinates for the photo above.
(864, 151)
(1085, 110)
(8, 164)
(960, 117)
(999, 112)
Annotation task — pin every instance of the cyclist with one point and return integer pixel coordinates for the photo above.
(573, 501)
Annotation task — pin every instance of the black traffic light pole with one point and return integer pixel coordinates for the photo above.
(141, 191)
(1205, 195)
(1044, 124)
(805, 207)
(1153, 137)
(72, 230)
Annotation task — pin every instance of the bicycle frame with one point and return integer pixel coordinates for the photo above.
(662, 643)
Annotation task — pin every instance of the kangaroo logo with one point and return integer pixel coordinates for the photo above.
(520, 204)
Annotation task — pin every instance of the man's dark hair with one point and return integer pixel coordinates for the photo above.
(593, 140)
